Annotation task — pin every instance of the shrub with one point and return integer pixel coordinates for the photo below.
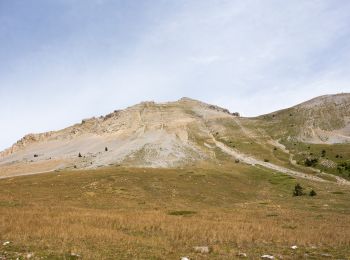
(312, 193)
(310, 162)
(266, 160)
(298, 190)
(343, 167)
(181, 212)
(338, 192)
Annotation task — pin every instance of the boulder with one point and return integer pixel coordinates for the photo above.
(202, 249)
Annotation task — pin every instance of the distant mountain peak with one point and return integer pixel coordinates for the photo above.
(324, 99)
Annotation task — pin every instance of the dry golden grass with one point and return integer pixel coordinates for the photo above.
(21, 168)
(127, 214)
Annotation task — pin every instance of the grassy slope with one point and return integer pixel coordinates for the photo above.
(336, 154)
(296, 121)
(253, 140)
(120, 213)
(291, 122)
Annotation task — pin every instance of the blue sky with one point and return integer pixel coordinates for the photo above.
(64, 60)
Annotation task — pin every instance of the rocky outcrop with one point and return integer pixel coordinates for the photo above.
(146, 134)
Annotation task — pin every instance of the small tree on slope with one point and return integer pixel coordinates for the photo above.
(298, 190)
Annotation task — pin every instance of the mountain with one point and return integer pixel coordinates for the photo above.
(147, 134)
(183, 133)
(325, 119)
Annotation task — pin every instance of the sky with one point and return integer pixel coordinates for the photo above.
(65, 60)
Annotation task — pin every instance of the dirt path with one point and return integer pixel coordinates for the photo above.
(285, 150)
(272, 142)
(275, 143)
(246, 131)
(253, 161)
(24, 174)
(292, 161)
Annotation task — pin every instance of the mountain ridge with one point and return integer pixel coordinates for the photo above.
(176, 134)
(324, 119)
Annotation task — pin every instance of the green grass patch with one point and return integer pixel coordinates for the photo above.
(281, 179)
(337, 192)
(181, 213)
(272, 215)
(10, 204)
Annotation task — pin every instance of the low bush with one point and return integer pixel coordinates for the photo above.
(298, 190)
(181, 212)
(312, 193)
(310, 162)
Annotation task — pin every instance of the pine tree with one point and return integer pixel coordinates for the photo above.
(312, 193)
(298, 190)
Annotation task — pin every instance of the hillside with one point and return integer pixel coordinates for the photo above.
(188, 132)
(147, 134)
(325, 119)
(157, 181)
(147, 213)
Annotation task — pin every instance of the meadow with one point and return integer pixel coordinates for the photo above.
(135, 213)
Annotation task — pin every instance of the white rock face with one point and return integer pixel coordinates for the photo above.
(144, 135)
